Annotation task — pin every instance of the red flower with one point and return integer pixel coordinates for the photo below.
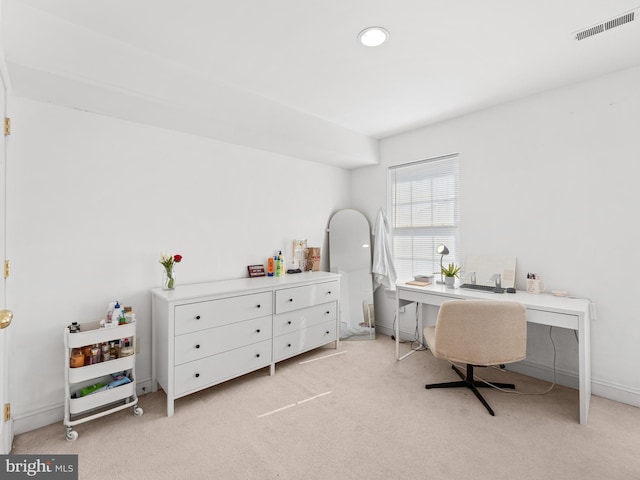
(177, 258)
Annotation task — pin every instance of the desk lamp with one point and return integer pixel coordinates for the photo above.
(442, 250)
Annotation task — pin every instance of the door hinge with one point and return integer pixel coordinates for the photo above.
(7, 126)
(7, 412)
(7, 268)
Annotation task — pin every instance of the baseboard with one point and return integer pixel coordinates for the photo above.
(55, 413)
(618, 393)
(390, 332)
(38, 419)
(544, 372)
(601, 388)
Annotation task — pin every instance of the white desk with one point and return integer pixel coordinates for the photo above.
(545, 309)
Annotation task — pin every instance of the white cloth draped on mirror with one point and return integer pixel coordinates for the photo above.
(384, 273)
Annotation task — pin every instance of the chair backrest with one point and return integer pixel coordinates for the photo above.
(481, 332)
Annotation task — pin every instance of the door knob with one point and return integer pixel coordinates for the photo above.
(5, 318)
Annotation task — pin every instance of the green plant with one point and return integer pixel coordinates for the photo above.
(451, 271)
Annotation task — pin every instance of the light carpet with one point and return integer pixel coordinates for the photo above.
(356, 413)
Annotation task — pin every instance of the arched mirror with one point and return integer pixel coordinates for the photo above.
(350, 256)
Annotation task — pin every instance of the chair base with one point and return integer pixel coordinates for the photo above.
(471, 384)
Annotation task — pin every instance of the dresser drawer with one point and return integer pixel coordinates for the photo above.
(193, 376)
(215, 313)
(289, 299)
(302, 340)
(195, 345)
(306, 317)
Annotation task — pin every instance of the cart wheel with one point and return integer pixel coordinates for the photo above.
(71, 435)
(137, 411)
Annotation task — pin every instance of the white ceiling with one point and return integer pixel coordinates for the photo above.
(299, 62)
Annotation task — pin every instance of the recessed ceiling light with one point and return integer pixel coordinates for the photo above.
(373, 36)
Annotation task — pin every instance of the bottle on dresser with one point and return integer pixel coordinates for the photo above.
(279, 264)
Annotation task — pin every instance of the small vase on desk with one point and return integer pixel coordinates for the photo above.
(168, 279)
(449, 281)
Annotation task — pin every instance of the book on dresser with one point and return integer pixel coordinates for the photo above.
(208, 333)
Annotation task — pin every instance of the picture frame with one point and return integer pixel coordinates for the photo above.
(255, 270)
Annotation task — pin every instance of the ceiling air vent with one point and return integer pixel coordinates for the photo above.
(606, 25)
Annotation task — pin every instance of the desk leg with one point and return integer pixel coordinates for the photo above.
(584, 349)
(419, 323)
(397, 332)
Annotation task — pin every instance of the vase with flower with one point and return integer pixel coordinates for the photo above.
(168, 274)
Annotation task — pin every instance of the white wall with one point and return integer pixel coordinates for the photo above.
(91, 203)
(553, 180)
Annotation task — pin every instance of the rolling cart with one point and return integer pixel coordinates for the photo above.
(79, 408)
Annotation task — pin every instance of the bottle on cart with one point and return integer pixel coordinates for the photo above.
(129, 316)
(117, 313)
(86, 351)
(89, 390)
(126, 349)
(77, 358)
(110, 312)
(95, 354)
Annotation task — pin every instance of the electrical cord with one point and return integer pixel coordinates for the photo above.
(416, 335)
(393, 335)
(417, 338)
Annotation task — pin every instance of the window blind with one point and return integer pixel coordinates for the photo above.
(424, 206)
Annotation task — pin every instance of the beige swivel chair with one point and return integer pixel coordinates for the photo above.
(478, 333)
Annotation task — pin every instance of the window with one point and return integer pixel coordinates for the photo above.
(424, 211)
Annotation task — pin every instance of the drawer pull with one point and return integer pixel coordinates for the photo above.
(291, 299)
(327, 312)
(258, 306)
(257, 355)
(288, 345)
(197, 317)
(329, 292)
(197, 375)
(328, 332)
(198, 345)
(289, 322)
(258, 331)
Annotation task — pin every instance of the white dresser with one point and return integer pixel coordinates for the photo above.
(207, 333)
